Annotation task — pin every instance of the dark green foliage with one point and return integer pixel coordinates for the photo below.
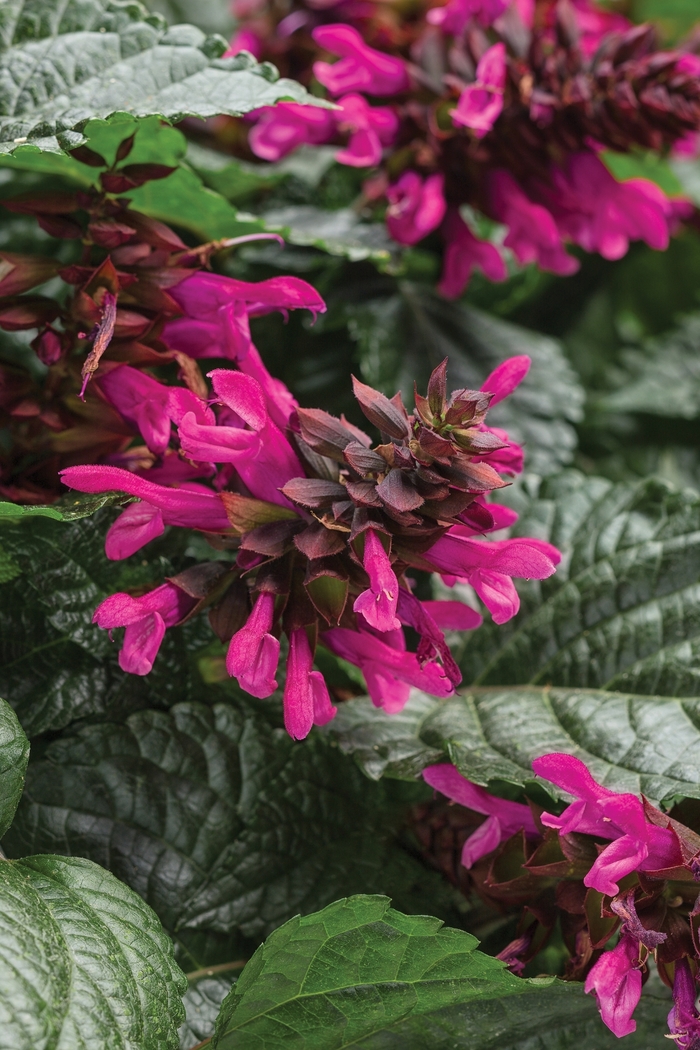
(224, 825)
(639, 744)
(55, 665)
(206, 991)
(361, 974)
(83, 961)
(623, 610)
(14, 755)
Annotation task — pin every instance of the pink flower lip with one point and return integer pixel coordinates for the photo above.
(416, 207)
(504, 818)
(481, 104)
(361, 68)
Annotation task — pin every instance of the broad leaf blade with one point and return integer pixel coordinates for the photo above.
(361, 974)
(235, 827)
(83, 961)
(338, 232)
(14, 755)
(662, 379)
(67, 63)
(621, 612)
(639, 744)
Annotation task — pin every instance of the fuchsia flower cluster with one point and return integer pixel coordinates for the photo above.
(503, 105)
(638, 890)
(323, 523)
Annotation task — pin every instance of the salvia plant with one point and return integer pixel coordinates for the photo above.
(350, 626)
(505, 109)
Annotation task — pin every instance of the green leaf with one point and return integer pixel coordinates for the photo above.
(180, 199)
(66, 63)
(644, 165)
(55, 664)
(214, 16)
(14, 755)
(361, 974)
(339, 232)
(403, 336)
(222, 823)
(662, 379)
(206, 991)
(622, 610)
(675, 17)
(640, 744)
(69, 508)
(83, 961)
(241, 182)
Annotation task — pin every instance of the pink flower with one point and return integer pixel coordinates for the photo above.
(258, 449)
(283, 128)
(595, 24)
(137, 525)
(533, 235)
(378, 603)
(217, 310)
(506, 377)
(299, 686)
(415, 207)
(636, 845)
(427, 619)
(387, 668)
(253, 653)
(683, 1020)
(190, 506)
(370, 127)
(244, 40)
(488, 567)
(360, 68)
(481, 104)
(504, 818)
(616, 980)
(454, 17)
(145, 620)
(464, 253)
(143, 402)
(594, 210)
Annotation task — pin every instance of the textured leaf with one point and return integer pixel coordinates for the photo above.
(84, 962)
(404, 336)
(65, 63)
(663, 379)
(206, 991)
(338, 232)
(214, 16)
(361, 974)
(622, 611)
(640, 744)
(223, 824)
(70, 508)
(14, 755)
(55, 665)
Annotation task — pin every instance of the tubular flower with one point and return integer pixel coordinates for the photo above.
(481, 104)
(361, 68)
(512, 124)
(415, 207)
(137, 300)
(326, 524)
(602, 837)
